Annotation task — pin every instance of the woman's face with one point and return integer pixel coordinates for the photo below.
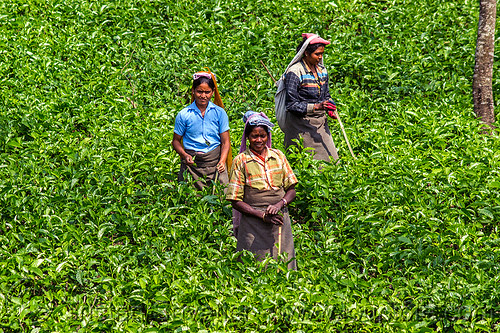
(314, 58)
(202, 95)
(258, 139)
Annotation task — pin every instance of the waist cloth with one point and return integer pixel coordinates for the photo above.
(261, 238)
(315, 132)
(204, 168)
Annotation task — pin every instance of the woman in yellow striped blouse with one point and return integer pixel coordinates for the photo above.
(261, 185)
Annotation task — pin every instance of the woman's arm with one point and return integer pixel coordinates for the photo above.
(177, 144)
(290, 194)
(293, 102)
(225, 143)
(245, 208)
(327, 96)
(289, 197)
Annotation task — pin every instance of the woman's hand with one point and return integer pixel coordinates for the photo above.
(221, 166)
(273, 218)
(188, 159)
(274, 209)
(331, 110)
(321, 106)
(271, 214)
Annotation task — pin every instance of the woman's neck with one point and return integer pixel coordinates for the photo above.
(202, 109)
(262, 153)
(311, 67)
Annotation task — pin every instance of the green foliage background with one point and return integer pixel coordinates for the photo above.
(97, 235)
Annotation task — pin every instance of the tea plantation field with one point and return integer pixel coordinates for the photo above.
(97, 235)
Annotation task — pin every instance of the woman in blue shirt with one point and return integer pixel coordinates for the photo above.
(201, 134)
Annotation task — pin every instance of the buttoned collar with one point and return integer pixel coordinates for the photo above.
(195, 108)
(319, 68)
(270, 154)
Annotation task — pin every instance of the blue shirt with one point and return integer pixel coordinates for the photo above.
(201, 133)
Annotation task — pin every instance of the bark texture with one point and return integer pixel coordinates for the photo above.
(483, 69)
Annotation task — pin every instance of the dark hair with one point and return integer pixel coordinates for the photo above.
(201, 80)
(250, 128)
(310, 48)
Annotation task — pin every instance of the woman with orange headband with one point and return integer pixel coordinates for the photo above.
(201, 133)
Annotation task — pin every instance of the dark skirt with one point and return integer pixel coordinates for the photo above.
(315, 133)
(260, 237)
(205, 169)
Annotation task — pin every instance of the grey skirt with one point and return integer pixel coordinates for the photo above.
(315, 133)
(205, 169)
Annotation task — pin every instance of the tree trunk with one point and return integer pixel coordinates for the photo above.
(483, 70)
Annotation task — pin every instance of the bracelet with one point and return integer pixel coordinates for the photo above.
(264, 216)
(284, 202)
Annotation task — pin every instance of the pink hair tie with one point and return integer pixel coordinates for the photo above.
(197, 75)
(316, 40)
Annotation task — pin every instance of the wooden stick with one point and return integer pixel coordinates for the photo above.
(279, 240)
(271, 75)
(345, 135)
(215, 180)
